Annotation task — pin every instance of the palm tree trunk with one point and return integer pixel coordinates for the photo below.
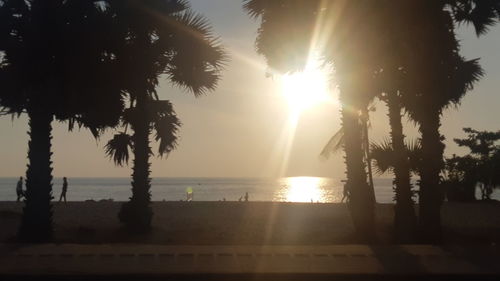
(36, 223)
(366, 141)
(137, 213)
(361, 204)
(430, 196)
(405, 220)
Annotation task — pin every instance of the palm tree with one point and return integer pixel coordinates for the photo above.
(51, 70)
(160, 117)
(389, 159)
(409, 28)
(434, 76)
(405, 220)
(349, 40)
(157, 37)
(337, 142)
(433, 84)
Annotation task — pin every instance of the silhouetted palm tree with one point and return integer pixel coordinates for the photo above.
(389, 80)
(436, 79)
(157, 37)
(405, 219)
(51, 68)
(347, 35)
(337, 141)
(411, 29)
(358, 38)
(388, 88)
(160, 117)
(389, 159)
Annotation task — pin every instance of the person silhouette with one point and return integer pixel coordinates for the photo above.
(64, 190)
(246, 196)
(19, 189)
(346, 194)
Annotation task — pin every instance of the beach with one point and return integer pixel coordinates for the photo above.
(247, 223)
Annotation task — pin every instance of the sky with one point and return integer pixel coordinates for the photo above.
(242, 129)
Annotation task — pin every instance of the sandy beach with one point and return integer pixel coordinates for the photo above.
(252, 223)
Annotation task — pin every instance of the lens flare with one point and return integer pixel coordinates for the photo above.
(308, 88)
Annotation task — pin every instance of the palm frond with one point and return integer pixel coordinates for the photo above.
(470, 71)
(333, 145)
(482, 14)
(118, 148)
(254, 8)
(465, 75)
(414, 151)
(197, 57)
(383, 155)
(158, 108)
(385, 158)
(128, 116)
(166, 127)
(80, 122)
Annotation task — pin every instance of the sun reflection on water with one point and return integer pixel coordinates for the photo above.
(303, 189)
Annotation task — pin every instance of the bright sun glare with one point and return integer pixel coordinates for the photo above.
(303, 91)
(306, 89)
(303, 189)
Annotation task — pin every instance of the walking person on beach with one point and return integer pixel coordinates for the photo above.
(346, 194)
(19, 189)
(64, 190)
(246, 196)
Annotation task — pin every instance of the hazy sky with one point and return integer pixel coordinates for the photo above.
(241, 129)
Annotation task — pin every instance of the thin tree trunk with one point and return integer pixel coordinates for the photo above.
(431, 196)
(137, 213)
(36, 223)
(361, 203)
(368, 158)
(405, 220)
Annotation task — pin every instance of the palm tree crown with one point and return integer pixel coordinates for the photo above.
(54, 64)
(156, 38)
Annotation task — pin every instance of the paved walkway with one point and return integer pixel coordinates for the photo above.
(257, 262)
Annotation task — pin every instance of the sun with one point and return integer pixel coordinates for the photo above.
(306, 89)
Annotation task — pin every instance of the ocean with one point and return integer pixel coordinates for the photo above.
(290, 189)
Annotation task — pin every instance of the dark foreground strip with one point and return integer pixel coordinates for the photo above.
(253, 277)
